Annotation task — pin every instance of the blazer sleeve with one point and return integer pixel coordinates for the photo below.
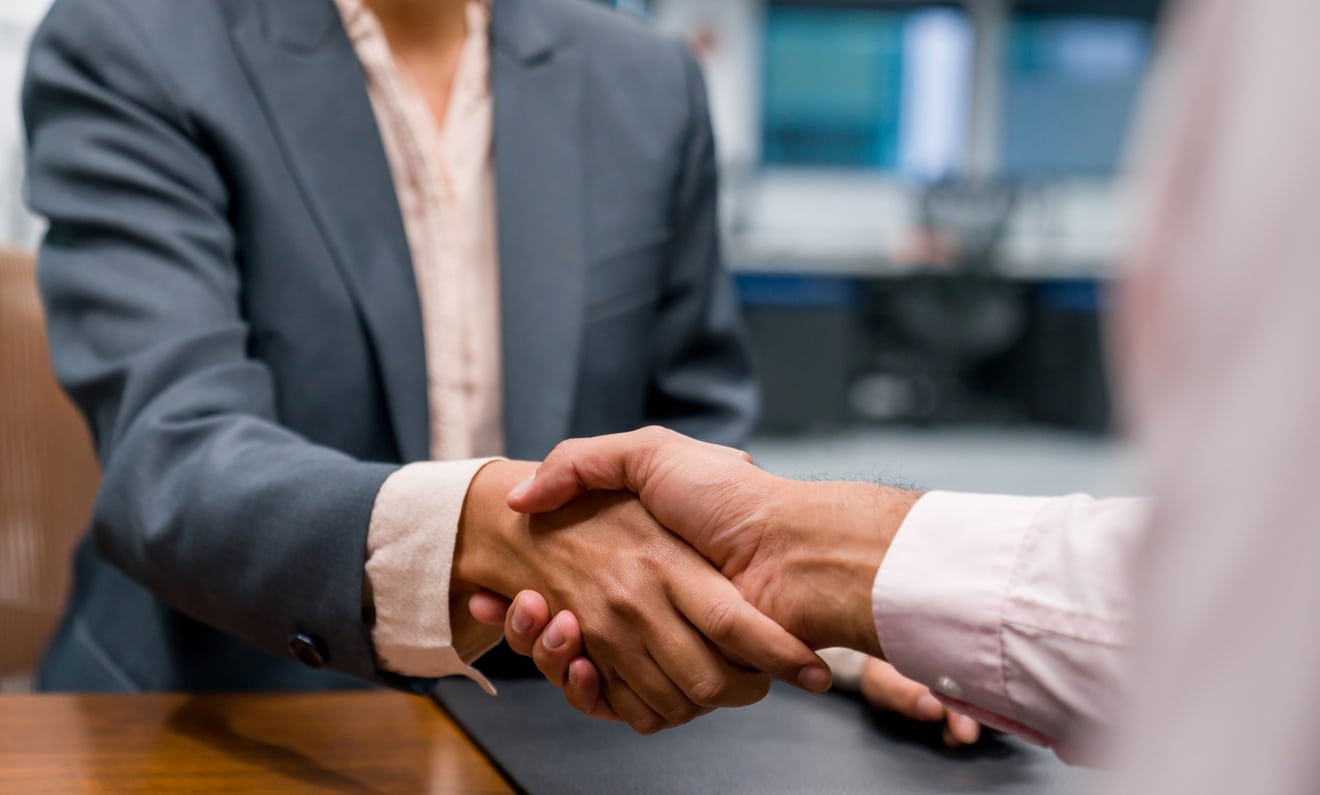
(206, 499)
(703, 383)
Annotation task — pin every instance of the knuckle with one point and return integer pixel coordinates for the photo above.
(655, 433)
(643, 563)
(653, 561)
(721, 620)
(678, 714)
(620, 598)
(713, 690)
(610, 643)
(646, 725)
(562, 453)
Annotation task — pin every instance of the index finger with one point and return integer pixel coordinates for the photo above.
(719, 611)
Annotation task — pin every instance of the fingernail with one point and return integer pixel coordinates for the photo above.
(815, 678)
(554, 637)
(572, 676)
(929, 708)
(521, 489)
(967, 730)
(521, 621)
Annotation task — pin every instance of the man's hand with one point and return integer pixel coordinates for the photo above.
(659, 622)
(886, 689)
(805, 554)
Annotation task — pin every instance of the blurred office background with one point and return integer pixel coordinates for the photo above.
(40, 512)
(924, 211)
(920, 199)
(18, 19)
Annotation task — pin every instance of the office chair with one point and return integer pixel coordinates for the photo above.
(954, 314)
(48, 475)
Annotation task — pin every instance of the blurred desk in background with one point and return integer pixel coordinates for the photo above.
(353, 742)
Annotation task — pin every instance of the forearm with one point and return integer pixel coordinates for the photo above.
(1012, 609)
(835, 536)
(246, 528)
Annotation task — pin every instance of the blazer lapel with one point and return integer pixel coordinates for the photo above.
(308, 76)
(538, 93)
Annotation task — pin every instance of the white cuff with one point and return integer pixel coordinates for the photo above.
(939, 597)
(410, 557)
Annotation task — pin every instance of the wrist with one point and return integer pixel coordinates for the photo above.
(838, 534)
(489, 531)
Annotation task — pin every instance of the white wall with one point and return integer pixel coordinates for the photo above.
(727, 37)
(18, 19)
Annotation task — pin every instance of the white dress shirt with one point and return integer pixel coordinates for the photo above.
(18, 20)
(1021, 609)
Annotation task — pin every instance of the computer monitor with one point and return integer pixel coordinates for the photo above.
(873, 87)
(1071, 84)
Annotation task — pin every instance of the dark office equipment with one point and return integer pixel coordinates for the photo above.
(805, 336)
(1058, 372)
(931, 330)
(50, 474)
(792, 742)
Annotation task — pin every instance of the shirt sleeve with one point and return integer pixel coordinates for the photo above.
(410, 556)
(1015, 610)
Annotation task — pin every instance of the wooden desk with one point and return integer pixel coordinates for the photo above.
(358, 742)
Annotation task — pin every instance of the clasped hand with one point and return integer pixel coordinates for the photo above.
(804, 555)
(670, 637)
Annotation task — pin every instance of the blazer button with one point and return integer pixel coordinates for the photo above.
(307, 651)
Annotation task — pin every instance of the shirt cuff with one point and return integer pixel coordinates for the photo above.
(939, 616)
(410, 557)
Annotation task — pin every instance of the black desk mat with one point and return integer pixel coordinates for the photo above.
(792, 742)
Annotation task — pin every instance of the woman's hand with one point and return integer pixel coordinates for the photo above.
(556, 647)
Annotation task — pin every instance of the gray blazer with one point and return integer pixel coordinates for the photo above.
(231, 304)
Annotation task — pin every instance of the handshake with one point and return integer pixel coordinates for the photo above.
(681, 578)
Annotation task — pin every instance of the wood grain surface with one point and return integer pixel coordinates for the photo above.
(359, 742)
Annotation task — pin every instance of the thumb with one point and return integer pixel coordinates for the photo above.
(578, 465)
(551, 488)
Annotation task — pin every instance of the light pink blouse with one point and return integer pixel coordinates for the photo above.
(444, 177)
